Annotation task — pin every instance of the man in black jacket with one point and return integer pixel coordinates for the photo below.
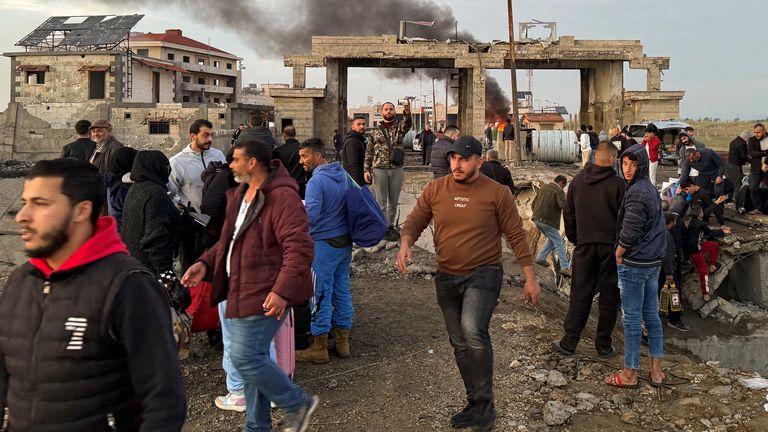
(738, 156)
(288, 153)
(257, 129)
(150, 218)
(83, 147)
(353, 150)
(756, 155)
(492, 168)
(591, 208)
(427, 141)
(440, 165)
(103, 356)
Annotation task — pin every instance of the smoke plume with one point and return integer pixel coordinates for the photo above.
(497, 104)
(273, 28)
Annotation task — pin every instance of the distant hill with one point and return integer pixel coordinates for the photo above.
(717, 133)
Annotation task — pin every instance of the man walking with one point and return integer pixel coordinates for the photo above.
(547, 210)
(261, 266)
(591, 207)
(384, 160)
(641, 245)
(470, 213)
(427, 141)
(756, 154)
(327, 214)
(106, 144)
(353, 150)
(440, 165)
(288, 153)
(186, 184)
(86, 342)
(83, 147)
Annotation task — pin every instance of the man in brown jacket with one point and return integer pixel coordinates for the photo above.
(106, 144)
(471, 212)
(261, 266)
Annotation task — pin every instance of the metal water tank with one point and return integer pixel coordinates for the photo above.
(557, 146)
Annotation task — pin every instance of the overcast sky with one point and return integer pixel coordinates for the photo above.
(716, 48)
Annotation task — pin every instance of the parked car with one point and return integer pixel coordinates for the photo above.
(668, 131)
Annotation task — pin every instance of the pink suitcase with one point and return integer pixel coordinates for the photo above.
(285, 344)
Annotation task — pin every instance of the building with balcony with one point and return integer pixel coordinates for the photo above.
(207, 74)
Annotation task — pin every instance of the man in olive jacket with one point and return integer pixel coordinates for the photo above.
(547, 210)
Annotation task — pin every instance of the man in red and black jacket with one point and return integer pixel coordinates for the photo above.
(261, 266)
(86, 342)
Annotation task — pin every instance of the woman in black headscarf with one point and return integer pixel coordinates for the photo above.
(117, 180)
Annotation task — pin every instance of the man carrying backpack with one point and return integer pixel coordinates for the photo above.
(329, 228)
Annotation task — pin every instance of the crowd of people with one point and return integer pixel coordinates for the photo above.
(108, 228)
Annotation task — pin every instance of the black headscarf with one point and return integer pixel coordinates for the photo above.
(119, 164)
(151, 165)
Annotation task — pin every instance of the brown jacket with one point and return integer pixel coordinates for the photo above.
(470, 219)
(271, 253)
(101, 158)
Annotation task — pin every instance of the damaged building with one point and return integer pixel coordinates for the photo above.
(604, 101)
(151, 86)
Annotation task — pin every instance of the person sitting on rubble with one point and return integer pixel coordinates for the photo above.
(703, 198)
(697, 248)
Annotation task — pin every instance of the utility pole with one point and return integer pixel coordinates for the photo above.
(434, 107)
(518, 158)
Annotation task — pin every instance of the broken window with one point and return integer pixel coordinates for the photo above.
(127, 116)
(221, 116)
(215, 63)
(229, 100)
(201, 62)
(96, 84)
(229, 65)
(171, 56)
(185, 59)
(34, 77)
(216, 100)
(186, 78)
(201, 81)
(143, 52)
(216, 82)
(159, 128)
(185, 98)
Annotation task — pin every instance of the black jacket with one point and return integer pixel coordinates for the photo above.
(428, 139)
(594, 140)
(508, 134)
(669, 261)
(709, 164)
(97, 348)
(592, 206)
(259, 133)
(81, 149)
(117, 188)
(737, 152)
(623, 144)
(353, 156)
(288, 154)
(640, 224)
(150, 219)
(214, 202)
(497, 171)
(440, 165)
(755, 155)
(699, 231)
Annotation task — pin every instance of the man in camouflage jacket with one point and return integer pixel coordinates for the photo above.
(384, 159)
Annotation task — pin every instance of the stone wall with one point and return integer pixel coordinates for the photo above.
(642, 106)
(143, 84)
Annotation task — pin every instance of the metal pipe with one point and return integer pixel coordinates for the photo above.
(745, 222)
(513, 71)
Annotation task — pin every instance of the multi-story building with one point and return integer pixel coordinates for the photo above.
(209, 74)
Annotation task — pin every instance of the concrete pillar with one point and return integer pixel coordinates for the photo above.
(587, 107)
(653, 79)
(602, 95)
(299, 76)
(332, 113)
(472, 101)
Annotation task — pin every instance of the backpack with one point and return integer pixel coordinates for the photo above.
(211, 171)
(366, 221)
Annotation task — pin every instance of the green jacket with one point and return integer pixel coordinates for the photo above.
(548, 205)
(378, 148)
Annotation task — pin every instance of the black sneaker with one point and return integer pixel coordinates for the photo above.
(606, 352)
(485, 418)
(392, 234)
(465, 417)
(299, 419)
(678, 325)
(558, 345)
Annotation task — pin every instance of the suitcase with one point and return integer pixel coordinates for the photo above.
(204, 316)
(285, 346)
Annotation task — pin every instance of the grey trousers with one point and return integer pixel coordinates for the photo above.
(387, 184)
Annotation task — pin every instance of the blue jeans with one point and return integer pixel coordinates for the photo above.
(234, 380)
(467, 303)
(264, 380)
(639, 287)
(553, 241)
(332, 295)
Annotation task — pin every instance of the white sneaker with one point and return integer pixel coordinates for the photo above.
(231, 402)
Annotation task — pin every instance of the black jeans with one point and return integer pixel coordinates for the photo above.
(426, 154)
(754, 190)
(467, 303)
(594, 271)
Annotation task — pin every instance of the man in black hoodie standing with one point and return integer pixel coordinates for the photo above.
(83, 147)
(257, 130)
(288, 153)
(353, 150)
(441, 167)
(591, 208)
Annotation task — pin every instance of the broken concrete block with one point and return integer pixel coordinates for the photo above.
(708, 308)
(726, 308)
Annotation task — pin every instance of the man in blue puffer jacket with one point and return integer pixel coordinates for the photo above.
(329, 228)
(641, 245)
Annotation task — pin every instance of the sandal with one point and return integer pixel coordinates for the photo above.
(615, 381)
(653, 383)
